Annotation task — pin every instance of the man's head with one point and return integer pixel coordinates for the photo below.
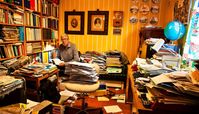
(65, 39)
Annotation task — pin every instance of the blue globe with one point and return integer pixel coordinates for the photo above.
(174, 30)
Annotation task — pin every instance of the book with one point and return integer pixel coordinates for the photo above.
(57, 61)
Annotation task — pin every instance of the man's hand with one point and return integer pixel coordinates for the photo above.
(54, 54)
(62, 64)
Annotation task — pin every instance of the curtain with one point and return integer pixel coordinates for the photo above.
(191, 49)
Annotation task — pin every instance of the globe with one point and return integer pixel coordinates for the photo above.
(174, 30)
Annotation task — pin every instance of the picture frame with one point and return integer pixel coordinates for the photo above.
(98, 22)
(74, 22)
(117, 18)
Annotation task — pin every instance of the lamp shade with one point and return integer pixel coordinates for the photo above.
(174, 30)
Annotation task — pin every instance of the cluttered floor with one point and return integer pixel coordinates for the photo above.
(112, 102)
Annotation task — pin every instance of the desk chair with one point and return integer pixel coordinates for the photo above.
(83, 89)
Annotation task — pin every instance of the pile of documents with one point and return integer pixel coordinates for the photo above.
(9, 84)
(173, 88)
(113, 62)
(97, 58)
(82, 72)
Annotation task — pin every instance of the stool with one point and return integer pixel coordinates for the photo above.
(83, 89)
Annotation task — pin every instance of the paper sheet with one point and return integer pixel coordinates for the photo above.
(57, 61)
(102, 99)
(163, 78)
(31, 103)
(112, 109)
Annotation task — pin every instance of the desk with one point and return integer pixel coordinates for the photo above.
(33, 84)
(131, 95)
(138, 108)
(115, 76)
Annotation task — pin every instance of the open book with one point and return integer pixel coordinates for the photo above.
(57, 61)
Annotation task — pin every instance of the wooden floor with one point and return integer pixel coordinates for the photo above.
(93, 102)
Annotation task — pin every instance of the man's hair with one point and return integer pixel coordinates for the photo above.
(65, 36)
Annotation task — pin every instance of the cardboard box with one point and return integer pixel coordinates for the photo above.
(45, 107)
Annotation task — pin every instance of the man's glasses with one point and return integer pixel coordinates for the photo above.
(64, 39)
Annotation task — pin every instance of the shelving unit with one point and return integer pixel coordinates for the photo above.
(37, 24)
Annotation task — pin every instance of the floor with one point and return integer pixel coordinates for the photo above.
(94, 103)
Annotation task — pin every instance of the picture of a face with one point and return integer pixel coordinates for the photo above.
(74, 23)
(97, 22)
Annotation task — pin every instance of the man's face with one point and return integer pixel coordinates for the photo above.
(65, 41)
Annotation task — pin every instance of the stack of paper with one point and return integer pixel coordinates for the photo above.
(112, 109)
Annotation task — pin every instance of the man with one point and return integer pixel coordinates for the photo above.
(67, 52)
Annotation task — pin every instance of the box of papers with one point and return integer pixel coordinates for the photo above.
(45, 107)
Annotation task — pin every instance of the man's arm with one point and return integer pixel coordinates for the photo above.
(76, 54)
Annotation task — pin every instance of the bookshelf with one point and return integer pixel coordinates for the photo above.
(27, 27)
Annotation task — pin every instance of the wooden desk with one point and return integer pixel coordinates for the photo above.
(138, 108)
(35, 83)
(132, 96)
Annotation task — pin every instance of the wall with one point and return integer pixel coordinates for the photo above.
(127, 42)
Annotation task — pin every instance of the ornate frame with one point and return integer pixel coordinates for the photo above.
(98, 22)
(74, 22)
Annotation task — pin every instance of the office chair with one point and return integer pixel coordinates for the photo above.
(83, 89)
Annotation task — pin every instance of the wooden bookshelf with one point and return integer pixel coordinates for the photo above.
(38, 18)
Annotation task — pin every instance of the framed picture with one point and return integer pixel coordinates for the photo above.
(74, 22)
(117, 31)
(117, 18)
(98, 22)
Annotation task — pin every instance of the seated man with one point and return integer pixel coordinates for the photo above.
(67, 52)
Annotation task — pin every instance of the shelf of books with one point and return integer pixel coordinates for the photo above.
(28, 27)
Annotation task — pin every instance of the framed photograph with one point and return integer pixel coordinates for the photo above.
(117, 18)
(98, 22)
(74, 22)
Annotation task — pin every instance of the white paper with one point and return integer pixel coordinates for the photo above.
(57, 61)
(102, 99)
(67, 93)
(31, 103)
(161, 79)
(112, 109)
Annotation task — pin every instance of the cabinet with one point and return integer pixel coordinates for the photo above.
(145, 33)
(27, 27)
